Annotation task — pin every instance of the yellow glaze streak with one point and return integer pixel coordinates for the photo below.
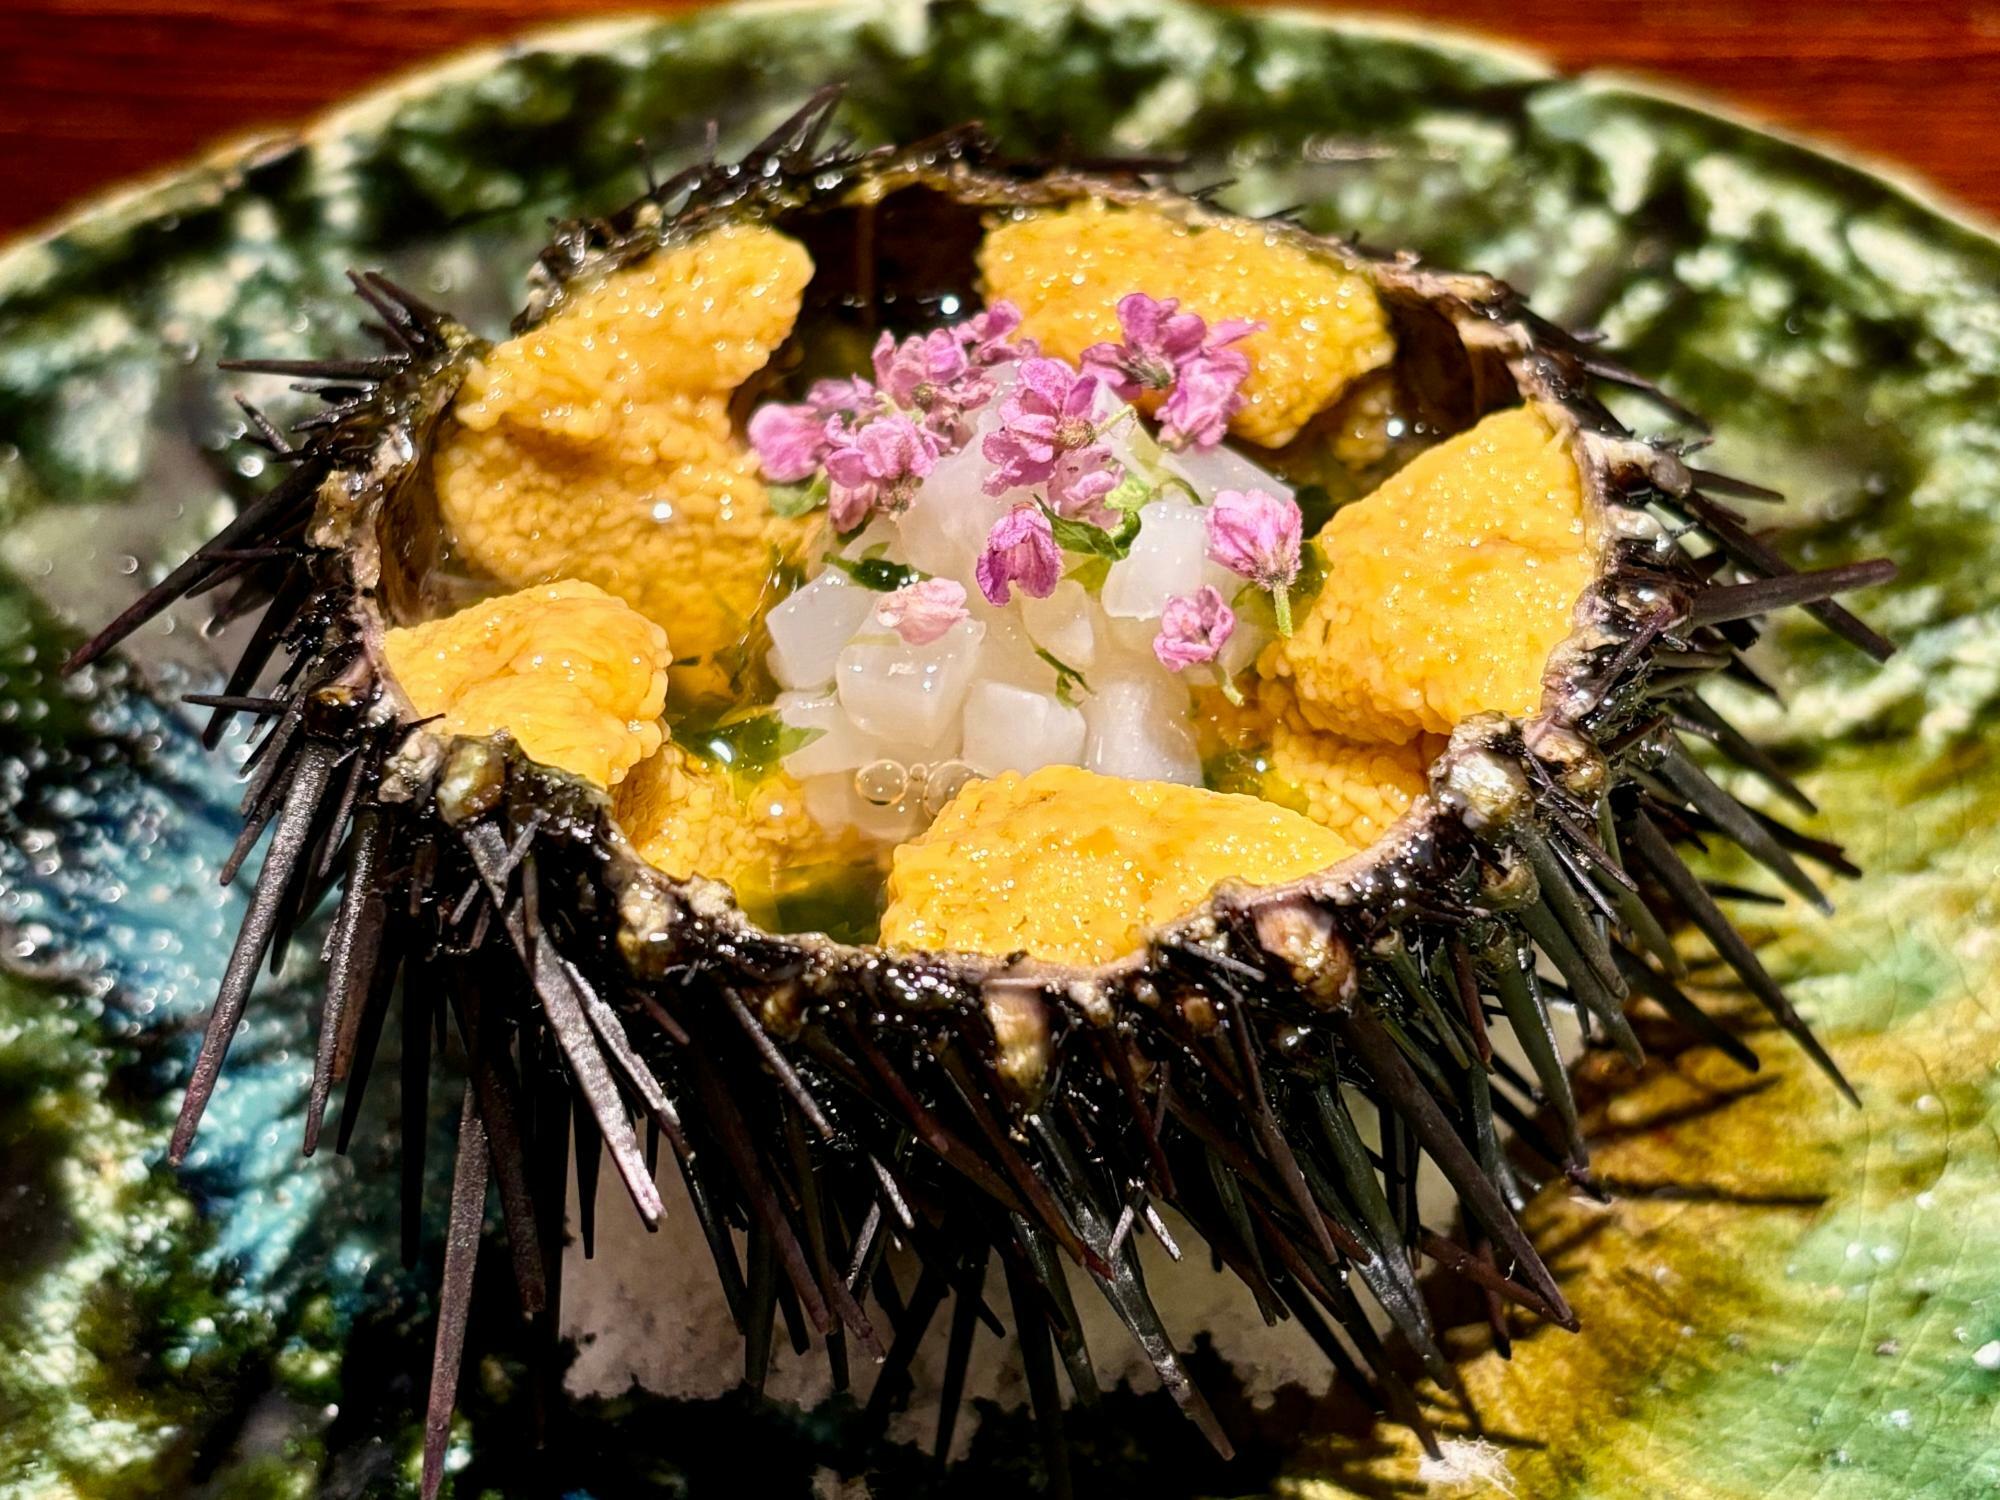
(575, 676)
(1074, 867)
(686, 816)
(599, 445)
(1067, 268)
(1446, 589)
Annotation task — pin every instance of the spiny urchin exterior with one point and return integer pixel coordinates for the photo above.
(820, 1098)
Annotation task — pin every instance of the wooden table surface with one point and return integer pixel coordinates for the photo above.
(92, 91)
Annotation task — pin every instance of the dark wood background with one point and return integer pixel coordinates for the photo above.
(92, 91)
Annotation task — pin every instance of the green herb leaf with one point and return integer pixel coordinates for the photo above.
(877, 573)
(797, 499)
(1068, 679)
(1132, 493)
(1316, 507)
(1093, 541)
(750, 744)
(1256, 608)
(1312, 578)
(1091, 573)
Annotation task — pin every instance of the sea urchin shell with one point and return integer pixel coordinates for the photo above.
(821, 1098)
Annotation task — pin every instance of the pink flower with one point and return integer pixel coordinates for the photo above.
(932, 374)
(1045, 415)
(1206, 394)
(985, 336)
(1020, 549)
(908, 370)
(921, 612)
(847, 396)
(1166, 349)
(1193, 628)
(1080, 480)
(1159, 339)
(792, 441)
(876, 467)
(1255, 535)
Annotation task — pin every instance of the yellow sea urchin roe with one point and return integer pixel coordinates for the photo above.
(1361, 437)
(1446, 589)
(1356, 790)
(1074, 867)
(599, 445)
(1066, 269)
(686, 816)
(574, 675)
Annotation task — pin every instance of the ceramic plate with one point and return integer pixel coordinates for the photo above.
(1788, 1296)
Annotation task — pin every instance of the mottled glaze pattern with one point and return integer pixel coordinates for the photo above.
(1810, 1317)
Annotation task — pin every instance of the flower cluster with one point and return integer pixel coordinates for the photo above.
(1254, 534)
(792, 441)
(872, 445)
(1049, 434)
(945, 375)
(876, 442)
(875, 468)
(1177, 352)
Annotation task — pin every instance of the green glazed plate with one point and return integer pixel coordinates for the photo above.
(1788, 1297)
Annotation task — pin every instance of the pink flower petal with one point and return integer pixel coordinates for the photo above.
(922, 612)
(848, 395)
(789, 441)
(1045, 385)
(1020, 550)
(1193, 629)
(1080, 480)
(876, 467)
(1046, 414)
(1206, 394)
(1229, 331)
(1255, 535)
(988, 336)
